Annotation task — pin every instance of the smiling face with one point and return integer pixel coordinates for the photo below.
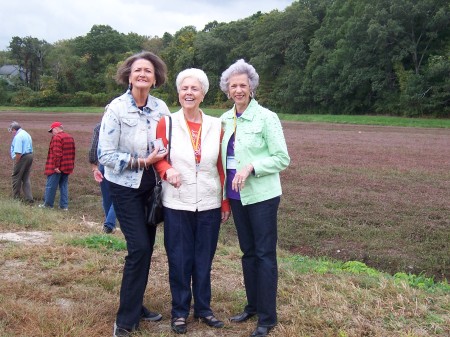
(142, 75)
(239, 91)
(190, 93)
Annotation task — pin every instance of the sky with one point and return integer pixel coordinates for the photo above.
(54, 20)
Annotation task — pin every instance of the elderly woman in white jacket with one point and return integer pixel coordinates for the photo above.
(127, 128)
(192, 197)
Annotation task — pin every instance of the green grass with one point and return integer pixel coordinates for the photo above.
(88, 109)
(69, 285)
(305, 265)
(100, 242)
(370, 120)
(339, 119)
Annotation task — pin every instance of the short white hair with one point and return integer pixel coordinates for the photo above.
(198, 74)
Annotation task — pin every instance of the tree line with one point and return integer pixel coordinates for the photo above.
(317, 56)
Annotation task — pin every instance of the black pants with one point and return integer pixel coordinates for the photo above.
(256, 226)
(129, 206)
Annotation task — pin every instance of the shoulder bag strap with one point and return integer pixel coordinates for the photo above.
(169, 137)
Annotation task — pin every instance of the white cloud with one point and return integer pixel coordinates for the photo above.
(54, 20)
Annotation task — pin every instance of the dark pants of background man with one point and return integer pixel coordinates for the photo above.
(21, 177)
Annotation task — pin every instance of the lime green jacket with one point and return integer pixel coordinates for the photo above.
(259, 141)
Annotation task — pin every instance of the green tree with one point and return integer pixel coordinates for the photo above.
(210, 56)
(29, 54)
(178, 55)
(100, 47)
(280, 51)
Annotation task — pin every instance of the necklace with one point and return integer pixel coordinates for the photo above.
(195, 142)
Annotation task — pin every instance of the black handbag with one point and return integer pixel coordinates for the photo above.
(154, 208)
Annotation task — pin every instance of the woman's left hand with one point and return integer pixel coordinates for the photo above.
(98, 176)
(238, 182)
(225, 216)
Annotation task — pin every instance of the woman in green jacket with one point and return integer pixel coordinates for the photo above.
(254, 152)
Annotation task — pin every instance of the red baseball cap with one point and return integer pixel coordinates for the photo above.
(55, 125)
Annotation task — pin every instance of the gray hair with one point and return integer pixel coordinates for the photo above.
(195, 73)
(14, 126)
(238, 68)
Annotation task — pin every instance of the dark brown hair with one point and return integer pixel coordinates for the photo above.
(124, 71)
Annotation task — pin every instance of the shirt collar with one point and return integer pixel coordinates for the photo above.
(149, 107)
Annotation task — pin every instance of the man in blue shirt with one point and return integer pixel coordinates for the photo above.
(22, 155)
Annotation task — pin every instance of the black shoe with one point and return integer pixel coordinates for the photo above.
(150, 316)
(212, 321)
(179, 325)
(107, 230)
(242, 317)
(120, 332)
(261, 331)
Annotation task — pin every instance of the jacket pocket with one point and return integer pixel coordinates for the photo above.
(253, 136)
(130, 121)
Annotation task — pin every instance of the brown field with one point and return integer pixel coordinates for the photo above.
(380, 195)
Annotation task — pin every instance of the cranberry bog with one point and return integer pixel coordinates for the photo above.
(376, 194)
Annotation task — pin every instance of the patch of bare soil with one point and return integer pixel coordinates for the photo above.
(26, 237)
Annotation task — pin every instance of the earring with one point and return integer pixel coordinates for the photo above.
(154, 85)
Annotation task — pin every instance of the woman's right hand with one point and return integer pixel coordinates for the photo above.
(155, 156)
(173, 177)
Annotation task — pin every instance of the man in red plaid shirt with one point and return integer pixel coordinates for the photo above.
(60, 163)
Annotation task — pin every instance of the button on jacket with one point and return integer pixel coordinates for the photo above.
(259, 141)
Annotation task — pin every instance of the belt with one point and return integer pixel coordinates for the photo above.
(26, 154)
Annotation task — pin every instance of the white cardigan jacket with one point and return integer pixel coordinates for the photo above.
(202, 190)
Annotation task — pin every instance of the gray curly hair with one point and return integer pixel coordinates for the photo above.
(238, 68)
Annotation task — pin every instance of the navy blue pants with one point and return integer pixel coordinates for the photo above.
(129, 206)
(256, 226)
(191, 239)
(108, 208)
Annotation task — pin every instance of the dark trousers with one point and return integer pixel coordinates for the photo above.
(191, 239)
(256, 227)
(129, 206)
(108, 208)
(21, 177)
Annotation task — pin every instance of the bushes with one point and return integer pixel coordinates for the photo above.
(27, 97)
(5, 92)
